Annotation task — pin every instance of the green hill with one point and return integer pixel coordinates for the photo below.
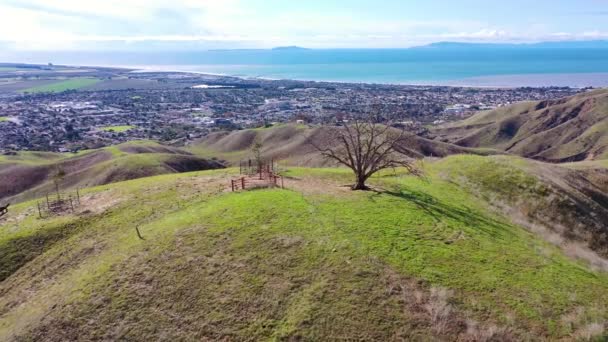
(442, 258)
(571, 129)
(31, 174)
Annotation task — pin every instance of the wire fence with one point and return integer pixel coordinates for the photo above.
(58, 202)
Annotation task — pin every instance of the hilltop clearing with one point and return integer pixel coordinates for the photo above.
(421, 259)
(565, 130)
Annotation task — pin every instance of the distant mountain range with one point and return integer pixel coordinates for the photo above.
(278, 48)
(589, 44)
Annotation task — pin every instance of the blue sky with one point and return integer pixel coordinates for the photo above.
(27, 25)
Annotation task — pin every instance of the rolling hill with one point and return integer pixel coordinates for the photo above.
(566, 130)
(289, 143)
(487, 246)
(440, 258)
(31, 174)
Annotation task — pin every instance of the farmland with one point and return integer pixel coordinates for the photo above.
(117, 129)
(71, 84)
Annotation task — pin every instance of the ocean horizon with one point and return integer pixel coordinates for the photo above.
(481, 67)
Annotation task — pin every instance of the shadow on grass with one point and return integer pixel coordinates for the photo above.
(440, 211)
(17, 252)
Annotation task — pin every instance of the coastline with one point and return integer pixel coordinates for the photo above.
(534, 80)
(506, 81)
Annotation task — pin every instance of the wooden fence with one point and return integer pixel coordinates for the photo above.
(244, 183)
(255, 175)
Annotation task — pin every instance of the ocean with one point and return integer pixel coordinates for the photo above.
(506, 67)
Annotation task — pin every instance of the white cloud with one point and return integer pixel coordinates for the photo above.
(483, 35)
(68, 21)
(595, 35)
(79, 24)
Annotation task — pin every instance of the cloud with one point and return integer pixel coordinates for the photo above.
(200, 24)
(64, 20)
(483, 34)
(594, 35)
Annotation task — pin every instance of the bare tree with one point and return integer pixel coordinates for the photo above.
(58, 178)
(256, 149)
(366, 148)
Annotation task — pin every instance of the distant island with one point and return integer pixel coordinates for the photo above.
(289, 48)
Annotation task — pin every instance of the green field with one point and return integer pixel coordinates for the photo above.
(421, 259)
(3, 118)
(71, 84)
(117, 129)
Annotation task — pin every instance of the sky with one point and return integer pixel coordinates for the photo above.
(93, 25)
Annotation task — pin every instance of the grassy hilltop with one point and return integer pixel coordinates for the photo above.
(415, 259)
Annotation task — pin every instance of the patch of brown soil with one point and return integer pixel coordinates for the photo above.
(97, 203)
(317, 186)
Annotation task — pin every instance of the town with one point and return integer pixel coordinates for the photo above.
(178, 107)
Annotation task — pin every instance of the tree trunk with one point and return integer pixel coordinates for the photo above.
(360, 184)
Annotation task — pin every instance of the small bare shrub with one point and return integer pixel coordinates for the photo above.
(579, 251)
(590, 331)
(476, 332)
(439, 309)
(571, 319)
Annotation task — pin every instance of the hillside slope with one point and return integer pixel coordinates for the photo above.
(416, 259)
(31, 174)
(289, 143)
(570, 129)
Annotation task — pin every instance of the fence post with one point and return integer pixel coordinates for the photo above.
(48, 205)
(71, 204)
(78, 195)
(243, 183)
(138, 233)
(282, 184)
(39, 212)
(232, 184)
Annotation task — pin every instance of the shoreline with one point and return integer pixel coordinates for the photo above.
(504, 81)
